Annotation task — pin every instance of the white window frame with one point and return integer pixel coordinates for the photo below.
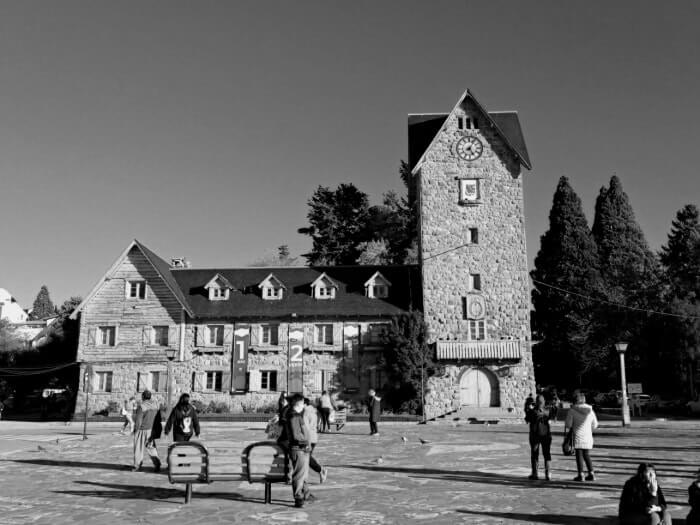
(104, 378)
(151, 375)
(325, 292)
(265, 376)
(477, 327)
(218, 294)
(215, 329)
(267, 329)
(154, 338)
(141, 289)
(101, 330)
(322, 332)
(213, 375)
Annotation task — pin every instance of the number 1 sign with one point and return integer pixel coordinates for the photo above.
(239, 360)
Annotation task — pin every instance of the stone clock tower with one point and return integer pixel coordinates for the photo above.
(468, 168)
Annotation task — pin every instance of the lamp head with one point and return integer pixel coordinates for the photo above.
(621, 347)
(170, 353)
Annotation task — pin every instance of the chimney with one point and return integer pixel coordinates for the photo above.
(180, 262)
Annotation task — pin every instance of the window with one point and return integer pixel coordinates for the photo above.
(477, 330)
(107, 336)
(325, 292)
(104, 381)
(380, 290)
(376, 334)
(473, 235)
(475, 281)
(324, 334)
(155, 382)
(268, 380)
(270, 334)
(160, 335)
(470, 191)
(467, 123)
(214, 381)
(216, 335)
(218, 294)
(136, 289)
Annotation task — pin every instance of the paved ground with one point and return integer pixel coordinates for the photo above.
(465, 474)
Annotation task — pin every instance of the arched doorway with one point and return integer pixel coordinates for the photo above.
(478, 388)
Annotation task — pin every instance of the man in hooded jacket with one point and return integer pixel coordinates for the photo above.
(147, 428)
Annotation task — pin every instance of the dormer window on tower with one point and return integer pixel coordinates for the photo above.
(467, 123)
(324, 287)
(377, 286)
(271, 288)
(219, 288)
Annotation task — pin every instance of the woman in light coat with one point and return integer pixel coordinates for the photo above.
(582, 420)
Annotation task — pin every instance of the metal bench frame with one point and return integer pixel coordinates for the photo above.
(204, 476)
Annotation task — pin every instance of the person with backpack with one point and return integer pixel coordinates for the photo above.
(183, 420)
(295, 440)
(538, 416)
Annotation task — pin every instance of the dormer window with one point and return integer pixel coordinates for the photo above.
(271, 288)
(324, 287)
(467, 123)
(218, 288)
(377, 286)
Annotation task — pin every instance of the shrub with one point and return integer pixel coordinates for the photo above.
(199, 406)
(218, 407)
(269, 408)
(113, 406)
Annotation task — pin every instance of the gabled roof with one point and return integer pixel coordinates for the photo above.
(221, 279)
(423, 130)
(161, 267)
(322, 277)
(375, 276)
(271, 277)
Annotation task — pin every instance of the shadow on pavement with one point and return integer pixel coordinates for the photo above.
(151, 493)
(552, 518)
(637, 447)
(76, 464)
(488, 478)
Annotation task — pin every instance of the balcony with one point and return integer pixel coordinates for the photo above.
(478, 349)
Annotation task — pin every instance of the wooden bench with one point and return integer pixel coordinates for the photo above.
(341, 417)
(191, 462)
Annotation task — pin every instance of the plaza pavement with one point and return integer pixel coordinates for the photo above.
(464, 474)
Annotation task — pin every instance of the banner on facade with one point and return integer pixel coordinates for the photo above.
(351, 356)
(239, 359)
(295, 368)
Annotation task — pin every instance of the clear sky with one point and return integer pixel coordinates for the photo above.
(201, 128)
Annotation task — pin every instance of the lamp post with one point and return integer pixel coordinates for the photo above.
(170, 354)
(621, 348)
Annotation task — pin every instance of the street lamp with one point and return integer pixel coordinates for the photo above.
(621, 348)
(170, 354)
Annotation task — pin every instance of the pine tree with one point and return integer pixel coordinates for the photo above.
(43, 307)
(630, 273)
(567, 260)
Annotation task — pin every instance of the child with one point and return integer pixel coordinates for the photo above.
(128, 413)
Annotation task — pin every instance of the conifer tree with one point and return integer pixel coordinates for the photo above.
(43, 307)
(567, 260)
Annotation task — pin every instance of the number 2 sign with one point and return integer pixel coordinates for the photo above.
(296, 361)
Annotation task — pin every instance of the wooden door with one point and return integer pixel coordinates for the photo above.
(476, 389)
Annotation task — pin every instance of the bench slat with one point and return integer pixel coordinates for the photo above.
(186, 469)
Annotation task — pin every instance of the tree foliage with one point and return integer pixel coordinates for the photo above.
(281, 258)
(43, 307)
(406, 353)
(567, 260)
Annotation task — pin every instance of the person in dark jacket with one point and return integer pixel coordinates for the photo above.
(694, 501)
(374, 407)
(538, 417)
(183, 420)
(295, 439)
(282, 404)
(642, 501)
(147, 428)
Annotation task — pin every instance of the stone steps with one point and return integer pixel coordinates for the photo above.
(479, 416)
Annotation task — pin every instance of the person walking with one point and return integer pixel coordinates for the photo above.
(128, 410)
(282, 404)
(582, 421)
(694, 501)
(540, 435)
(327, 406)
(642, 501)
(295, 440)
(374, 408)
(183, 420)
(311, 421)
(147, 428)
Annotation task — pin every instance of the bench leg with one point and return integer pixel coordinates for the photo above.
(188, 492)
(268, 492)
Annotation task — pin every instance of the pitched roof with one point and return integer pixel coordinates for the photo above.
(221, 279)
(350, 302)
(423, 130)
(271, 277)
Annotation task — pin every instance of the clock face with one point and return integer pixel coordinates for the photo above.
(470, 148)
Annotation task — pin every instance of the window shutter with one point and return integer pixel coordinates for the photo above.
(92, 336)
(308, 335)
(255, 335)
(228, 334)
(337, 333)
(254, 381)
(163, 381)
(202, 379)
(126, 289)
(141, 382)
(364, 333)
(274, 334)
(318, 381)
(194, 385)
(172, 337)
(226, 382)
(199, 335)
(147, 338)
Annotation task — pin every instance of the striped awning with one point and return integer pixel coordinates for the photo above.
(478, 349)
